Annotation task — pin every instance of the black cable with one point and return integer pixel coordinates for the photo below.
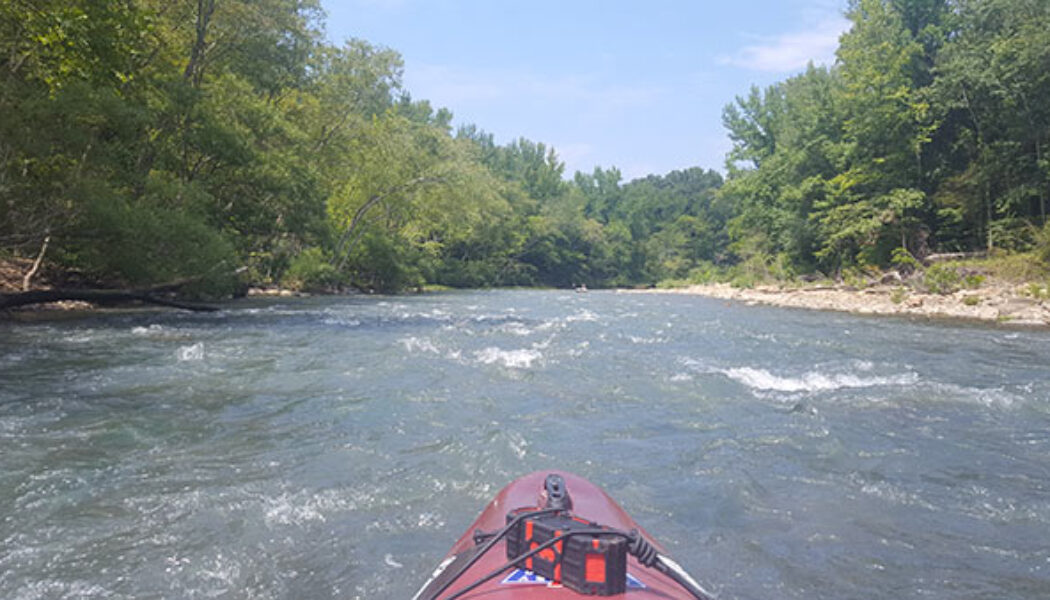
(492, 540)
(650, 557)
(640, 548)
(672, 569)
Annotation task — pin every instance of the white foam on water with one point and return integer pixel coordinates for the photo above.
(514, 359)
(996, 397)
(429, 520)
(152, 329)
(678, 377)
(61, 589)
(284, 511)
(579, 349)
(548, 325)
(300, 508)
(813, 381)
(80, 338)
(341, 322)
(644, 341)
(517, 444)
(221, 572)
(582, 315)
(891, 493)
(516, 329)
(276, 310)
(544, 344)
(414, 344)
(191, 353)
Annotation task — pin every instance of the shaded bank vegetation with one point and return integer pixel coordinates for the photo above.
(227, 142)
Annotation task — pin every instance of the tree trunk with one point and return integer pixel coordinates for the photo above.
(150, 295)
(1042, 184)
(96, 297)
(194, 72)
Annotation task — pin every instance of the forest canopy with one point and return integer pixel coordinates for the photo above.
(153, 141)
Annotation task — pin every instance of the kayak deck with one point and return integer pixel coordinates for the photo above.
(588, 501)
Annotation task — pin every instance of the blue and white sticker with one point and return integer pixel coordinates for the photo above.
(523, 577)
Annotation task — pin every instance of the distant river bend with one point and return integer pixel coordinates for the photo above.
(336, 447)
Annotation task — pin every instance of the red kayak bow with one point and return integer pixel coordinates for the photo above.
(556, 535)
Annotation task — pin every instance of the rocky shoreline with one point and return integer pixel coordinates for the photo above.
(997, 302)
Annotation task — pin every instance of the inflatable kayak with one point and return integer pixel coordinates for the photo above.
(556, 535)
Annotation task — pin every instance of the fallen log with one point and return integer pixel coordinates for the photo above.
(946, 256)
(98, 297)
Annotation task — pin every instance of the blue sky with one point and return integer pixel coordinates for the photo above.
(631, 84)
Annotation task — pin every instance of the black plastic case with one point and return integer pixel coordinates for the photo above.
(591, 564)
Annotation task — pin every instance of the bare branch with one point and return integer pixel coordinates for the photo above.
(36, 264)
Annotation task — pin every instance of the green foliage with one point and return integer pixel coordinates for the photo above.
(141, 245)
(751, 272)
(941, 279)
(904, 261)
(1038, 291)
(156, 141)
(971, 300)
(854, 277)
(1042, 245)
(311, 271)
(927, 133)
(1011, 234)
(382, 264)
(898, 294)
(705, 273)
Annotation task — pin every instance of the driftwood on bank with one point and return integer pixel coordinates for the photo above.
(28, 278)
(148, 296)
(946, 256)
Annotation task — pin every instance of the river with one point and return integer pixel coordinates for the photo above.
(335, 447)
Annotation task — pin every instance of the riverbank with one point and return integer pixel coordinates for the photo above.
(995, 302)
(12, 278)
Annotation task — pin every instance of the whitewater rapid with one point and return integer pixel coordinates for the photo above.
(336, 447)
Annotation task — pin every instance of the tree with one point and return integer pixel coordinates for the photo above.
(989, 82)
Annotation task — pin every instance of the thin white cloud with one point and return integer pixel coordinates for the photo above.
(794, 50)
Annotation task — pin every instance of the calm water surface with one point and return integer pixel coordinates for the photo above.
(336, 447)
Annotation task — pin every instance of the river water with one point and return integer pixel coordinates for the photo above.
(336, 447)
